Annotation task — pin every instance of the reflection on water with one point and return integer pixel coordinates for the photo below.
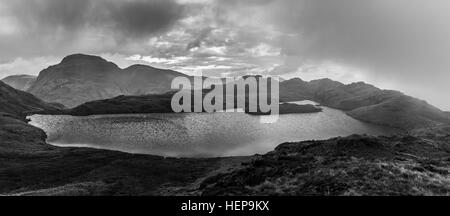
(197, 134)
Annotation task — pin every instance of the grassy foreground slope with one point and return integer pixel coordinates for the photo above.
(355, 165)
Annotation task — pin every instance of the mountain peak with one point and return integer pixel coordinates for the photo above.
(139, 67)
(294, 80)
(82, 58)
(81, 78)
(360, 84)
(325, 80)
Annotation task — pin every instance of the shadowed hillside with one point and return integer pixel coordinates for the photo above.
(19, 103)
(125, 105)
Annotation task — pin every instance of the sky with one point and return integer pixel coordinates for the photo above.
(394, 44)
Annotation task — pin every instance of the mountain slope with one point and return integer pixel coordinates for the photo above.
(21, 82)
(406, 111)
(143, 79)
(83, 78)
(351, 166)
(19, 103)
(15, 134)
(366, 102)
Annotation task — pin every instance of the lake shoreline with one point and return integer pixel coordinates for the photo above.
(198, 134)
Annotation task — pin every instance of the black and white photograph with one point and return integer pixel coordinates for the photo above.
(224, 98)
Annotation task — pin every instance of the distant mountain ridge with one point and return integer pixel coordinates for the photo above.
(21, 82)
(18, 103)
(82, 78)
(366, 102)
(359, 100)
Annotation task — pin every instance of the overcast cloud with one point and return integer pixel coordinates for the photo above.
(399, 44)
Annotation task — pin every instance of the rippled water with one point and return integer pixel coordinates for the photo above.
(197, 134)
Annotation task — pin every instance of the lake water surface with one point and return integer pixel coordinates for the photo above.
(197, 134)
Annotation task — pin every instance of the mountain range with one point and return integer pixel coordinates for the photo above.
(85, 83)
(83, 78)
(366, 102)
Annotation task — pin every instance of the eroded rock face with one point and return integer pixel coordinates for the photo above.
(83, 78)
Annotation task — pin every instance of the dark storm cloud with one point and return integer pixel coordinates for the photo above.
(142, 18)
(245, 2)
(134, 17)
(51, 13)
(49, 23)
